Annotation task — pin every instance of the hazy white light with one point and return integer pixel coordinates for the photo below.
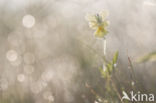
(43, 83)
(29, 58)
(28, 69)
(51, 98)
(83, 96)
(104, 67)
(47, 76)
(40, 31)
(17, 62)
(12, 55)
(133, 83)
(3, 84)
(36, 88)
(96, 102)
(28, 21)
(14, 39)
(21, 77)
(149, 3)
(115, 65)
(48, 96)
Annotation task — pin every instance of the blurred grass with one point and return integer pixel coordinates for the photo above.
(59, 43)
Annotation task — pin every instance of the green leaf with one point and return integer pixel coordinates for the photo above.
(104, 73)
(109, 68)
(148, 57)
(115, 58)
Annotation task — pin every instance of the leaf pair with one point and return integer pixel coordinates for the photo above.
(110, 66)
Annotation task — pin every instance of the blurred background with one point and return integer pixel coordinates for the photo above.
(47, 50)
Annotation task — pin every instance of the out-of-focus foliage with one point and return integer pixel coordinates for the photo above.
(148, 57)
(109, 67)
(111, 92)
(48, 52)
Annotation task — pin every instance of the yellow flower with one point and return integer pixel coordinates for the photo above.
(99, 23)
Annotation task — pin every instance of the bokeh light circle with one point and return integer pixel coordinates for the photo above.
(12, 55)
(28, 21)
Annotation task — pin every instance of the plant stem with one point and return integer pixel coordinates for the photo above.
(132, 68)
(116, 90)
(104, 51)
(104, 46)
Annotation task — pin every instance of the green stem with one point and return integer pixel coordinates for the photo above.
(104, 52)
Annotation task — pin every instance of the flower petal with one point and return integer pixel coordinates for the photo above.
(100, 32)
(90, 17)
(103, 14)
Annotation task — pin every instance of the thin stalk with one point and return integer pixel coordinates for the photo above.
(132, 68)
(104, 52)
(116, 90)
(104, 46)
(104, 67)
(94, 51)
